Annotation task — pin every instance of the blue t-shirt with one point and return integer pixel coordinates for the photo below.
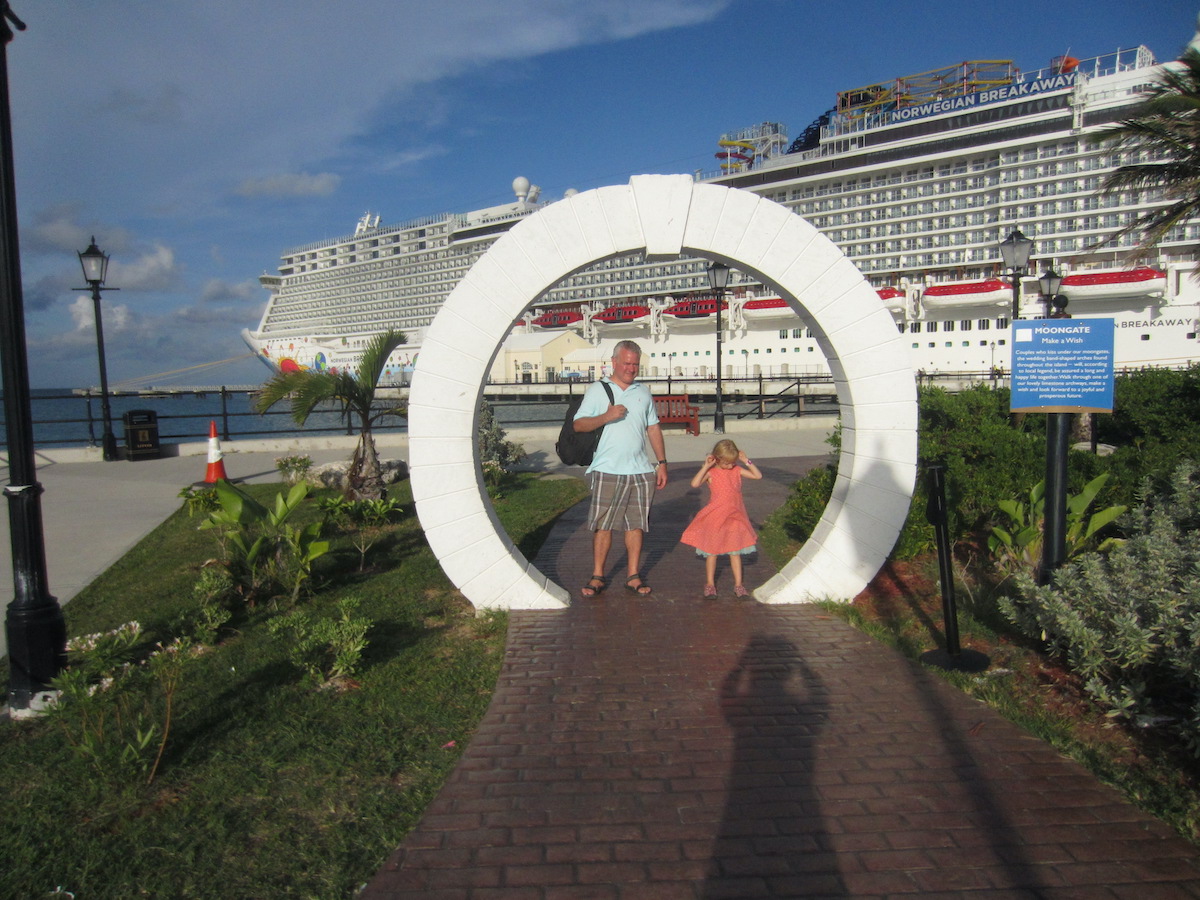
(622, 447)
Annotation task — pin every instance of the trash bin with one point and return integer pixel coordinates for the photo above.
(141, 434)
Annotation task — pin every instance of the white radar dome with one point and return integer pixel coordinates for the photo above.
(521, 187)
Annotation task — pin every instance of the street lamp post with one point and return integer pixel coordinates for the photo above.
(1056, 304)
(1015, 250)
(95, 267)
(718, 279)
(33, 624)
(1058, 439)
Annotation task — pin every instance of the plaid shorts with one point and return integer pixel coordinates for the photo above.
(621, 502)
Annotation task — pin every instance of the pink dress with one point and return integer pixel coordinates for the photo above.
(722, 526)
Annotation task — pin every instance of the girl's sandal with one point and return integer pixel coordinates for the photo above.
(641, 588)
(740, 591)
(710, 592)
(594, 587)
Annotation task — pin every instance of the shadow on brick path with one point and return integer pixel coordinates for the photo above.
(678, 748)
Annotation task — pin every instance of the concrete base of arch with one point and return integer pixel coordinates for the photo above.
(665, 216)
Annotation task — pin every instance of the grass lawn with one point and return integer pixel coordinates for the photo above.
(269, 785)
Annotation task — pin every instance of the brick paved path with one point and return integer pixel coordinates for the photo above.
(677, 748)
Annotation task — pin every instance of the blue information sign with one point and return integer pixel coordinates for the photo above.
(1062, 365)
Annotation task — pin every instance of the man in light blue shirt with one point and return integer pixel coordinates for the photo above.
(623, 476)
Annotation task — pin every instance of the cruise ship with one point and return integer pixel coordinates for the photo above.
(918, 180)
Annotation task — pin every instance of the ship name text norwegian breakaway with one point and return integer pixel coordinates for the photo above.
(991, 95)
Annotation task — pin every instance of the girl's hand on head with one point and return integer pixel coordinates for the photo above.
(710, 460)
(742, 457)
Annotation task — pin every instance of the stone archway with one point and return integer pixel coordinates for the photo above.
(664, 216)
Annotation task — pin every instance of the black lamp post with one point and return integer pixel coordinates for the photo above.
(95, 267)
(718, 280)
(1015, 250)
(1058, 440)
(37, 635)
(1056, 304)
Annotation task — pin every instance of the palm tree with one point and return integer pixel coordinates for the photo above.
(1166, 129)
(355, 392)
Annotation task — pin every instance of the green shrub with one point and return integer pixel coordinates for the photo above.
(808, 499)
(1153, 406)
(325, 647)
(1018, 547)
(294, 468)
(987, 459)
(262, 551)
(1129, 623)
(116, 703)
(493, 447)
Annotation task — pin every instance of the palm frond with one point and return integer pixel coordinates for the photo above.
(1166, 130)
(303, 391)
(376, 353)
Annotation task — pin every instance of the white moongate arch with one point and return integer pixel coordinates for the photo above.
(664, 216)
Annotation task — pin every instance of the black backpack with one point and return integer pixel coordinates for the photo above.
(577, 448)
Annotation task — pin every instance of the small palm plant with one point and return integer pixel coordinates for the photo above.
(1019, 546)
(355, 392)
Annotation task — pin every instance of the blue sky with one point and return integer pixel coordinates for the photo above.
(197, 141)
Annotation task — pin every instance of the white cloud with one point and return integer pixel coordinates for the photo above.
(216, 290)
(154, 271)
(117, 317)
(292, 185)
(156, 116)
(57, 230)
(177, 116)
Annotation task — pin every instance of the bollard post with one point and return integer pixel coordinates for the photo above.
(953, 656)
(224, 414)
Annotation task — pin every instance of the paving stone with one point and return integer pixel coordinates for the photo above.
(681, 749)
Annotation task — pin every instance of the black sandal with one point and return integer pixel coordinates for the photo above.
(596, 584)
(641, 589)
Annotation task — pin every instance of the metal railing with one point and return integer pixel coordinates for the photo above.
(72, 418)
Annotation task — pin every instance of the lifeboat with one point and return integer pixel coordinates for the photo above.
(622, 314)
(1122, 283)
(893, 298)
(966, 294)
(692, 310)
(558, 318)
(768, 308)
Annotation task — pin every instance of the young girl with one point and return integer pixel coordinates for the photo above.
(722, 527)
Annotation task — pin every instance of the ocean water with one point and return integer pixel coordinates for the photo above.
(62, 419)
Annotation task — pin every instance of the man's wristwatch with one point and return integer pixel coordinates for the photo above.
(662, 462)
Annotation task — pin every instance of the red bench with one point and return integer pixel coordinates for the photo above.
(674, 409)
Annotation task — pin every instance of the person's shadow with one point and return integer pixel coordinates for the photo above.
(771, 840)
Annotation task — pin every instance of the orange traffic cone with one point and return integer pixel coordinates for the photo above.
(216, 466)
